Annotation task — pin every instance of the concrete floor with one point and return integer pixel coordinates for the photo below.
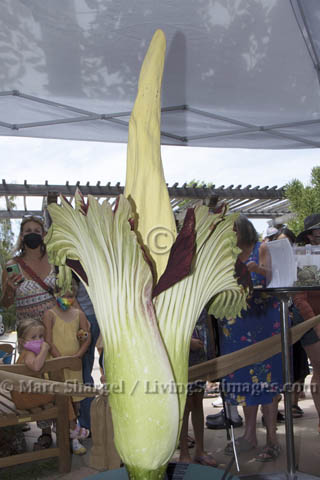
(307, 447)
(306, 436)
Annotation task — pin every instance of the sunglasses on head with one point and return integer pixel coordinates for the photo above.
(30, 217)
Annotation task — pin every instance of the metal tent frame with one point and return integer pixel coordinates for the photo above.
(64, 75)
(232, 126)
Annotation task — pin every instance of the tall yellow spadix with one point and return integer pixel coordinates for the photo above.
(145, 183)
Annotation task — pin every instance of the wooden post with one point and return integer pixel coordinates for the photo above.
(103, 455)
(63, 436)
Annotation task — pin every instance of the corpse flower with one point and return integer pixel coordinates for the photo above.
(147, 293)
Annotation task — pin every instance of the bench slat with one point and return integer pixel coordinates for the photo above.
(28, 457)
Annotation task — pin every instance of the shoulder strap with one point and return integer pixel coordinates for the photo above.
(34, 276)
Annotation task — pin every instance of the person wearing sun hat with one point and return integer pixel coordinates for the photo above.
(270, 234)
(311, 232)
(307, 305)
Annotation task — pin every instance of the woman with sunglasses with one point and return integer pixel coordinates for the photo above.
(29, 279)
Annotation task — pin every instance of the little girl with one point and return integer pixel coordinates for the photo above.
(62, 323)
(33, 353)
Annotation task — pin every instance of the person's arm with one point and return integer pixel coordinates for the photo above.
(9, 287)
(262, 268)
(85, 325)
(196, 344)
(48, 321)
(36, 362)
(301, 302)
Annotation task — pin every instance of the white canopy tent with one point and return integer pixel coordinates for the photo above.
(238, 73)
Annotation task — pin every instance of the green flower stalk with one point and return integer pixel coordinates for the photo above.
(147, 300)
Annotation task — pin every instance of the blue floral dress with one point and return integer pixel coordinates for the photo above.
(257, 383)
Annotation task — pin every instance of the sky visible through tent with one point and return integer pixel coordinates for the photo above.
(38, 160)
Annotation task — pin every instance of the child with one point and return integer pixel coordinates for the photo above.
(33, 353)
(62, 324)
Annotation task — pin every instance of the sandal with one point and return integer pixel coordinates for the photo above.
(43, 442)
(206, 460)
(269, 453)
(77, 448)
(242, 445)
(297, 412)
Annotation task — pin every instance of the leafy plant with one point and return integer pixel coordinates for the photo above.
(6, 245)
(304, 199)
(194, 184)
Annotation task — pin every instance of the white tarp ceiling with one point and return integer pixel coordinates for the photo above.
(238, 73)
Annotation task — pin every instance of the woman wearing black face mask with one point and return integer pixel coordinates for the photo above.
(29, 280)
(32, 288)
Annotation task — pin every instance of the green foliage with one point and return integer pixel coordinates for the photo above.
(304, 200)
(9, 317)
(6, 246)
(6, 240)
(194, 184)
(6, 236)
(198, 184)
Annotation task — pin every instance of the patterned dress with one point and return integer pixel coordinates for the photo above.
(32, 300)
(257, 383)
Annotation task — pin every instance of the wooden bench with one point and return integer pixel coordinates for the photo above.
(58, 410)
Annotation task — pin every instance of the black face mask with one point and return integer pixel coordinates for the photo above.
(32, 240)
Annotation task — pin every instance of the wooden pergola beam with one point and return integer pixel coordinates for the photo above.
(255, 202)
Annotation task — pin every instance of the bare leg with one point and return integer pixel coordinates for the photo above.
(250, 415)
(197, 419)
(296, 393)
(249, 439)
(298, 387)
(313, 352)
(270, 411)
(184, 450)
